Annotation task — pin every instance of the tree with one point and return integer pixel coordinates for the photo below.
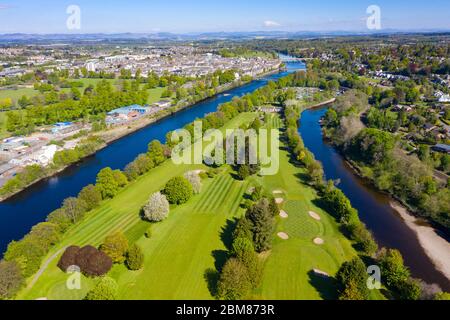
(74, 209)
(195, 181)
(409, 289)
(11, 279)
(178, 190)
(156, 152)
(352, 280)
(120, 178)
(262, 225)
(243, 229)
(135, 257)
(392, 267)
(242, 249)
(107, 183)
(157, 208)
(91, 195)
(442, 296)
(105, 289)
(93, 262)
(234, 281)
(46, 233)
(115, 246)
(28, 254)
(68, 258)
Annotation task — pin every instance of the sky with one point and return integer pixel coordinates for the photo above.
(193, 16)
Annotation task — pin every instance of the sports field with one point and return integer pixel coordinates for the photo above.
(184, 250)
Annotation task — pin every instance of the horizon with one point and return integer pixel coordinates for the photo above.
(51, 17)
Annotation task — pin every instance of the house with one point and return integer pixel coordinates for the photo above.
(163, 104)
(445, 148)
(444, 98)
(126, 113)
(429, 127)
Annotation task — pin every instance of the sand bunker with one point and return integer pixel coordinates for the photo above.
(321, 273)
(279, 200)
(277, 192)
(314, 215)
(318, 241)
(283, 214)
(283, 235)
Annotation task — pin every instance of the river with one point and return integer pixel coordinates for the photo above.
(374, 208)
(31, 206)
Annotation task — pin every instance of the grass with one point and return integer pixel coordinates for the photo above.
(185, 250)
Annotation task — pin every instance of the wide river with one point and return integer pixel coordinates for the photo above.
(19, 213)
(374, 207)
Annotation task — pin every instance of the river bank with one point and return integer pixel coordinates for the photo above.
(113, 134)
(388, 227)
(436, 247)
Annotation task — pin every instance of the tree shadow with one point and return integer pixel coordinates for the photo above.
(226, 234)
(326, 286)
(211, 277)
(220, 258)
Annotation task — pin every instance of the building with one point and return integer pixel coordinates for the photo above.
(125, 113)
(63, 127)
(163, 104)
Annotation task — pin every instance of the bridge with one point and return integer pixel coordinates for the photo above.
(293, 59)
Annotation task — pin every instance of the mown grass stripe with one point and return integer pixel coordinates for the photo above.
(218, 203)
(205, 196)
(213, 202)
(215, 189)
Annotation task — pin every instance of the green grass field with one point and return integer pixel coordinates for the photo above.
(187, 247)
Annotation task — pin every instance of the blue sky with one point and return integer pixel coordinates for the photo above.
(182, 16)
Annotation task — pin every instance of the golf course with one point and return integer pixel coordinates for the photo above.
(185, 250)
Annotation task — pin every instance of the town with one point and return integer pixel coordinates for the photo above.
(143, 64)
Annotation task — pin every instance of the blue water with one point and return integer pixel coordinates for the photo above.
(21, 212)
(374, 207)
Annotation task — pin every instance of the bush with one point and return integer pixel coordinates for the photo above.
(91, 195)
(93, 262)
(11, 279)
(69, 258)
(157, 208)
(148, 232)
(105, 289)
(234, 281)
(195, 181)
(115, 246)
(178, 190)
(135, 258)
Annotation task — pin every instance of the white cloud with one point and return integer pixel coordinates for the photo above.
(271, 24)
